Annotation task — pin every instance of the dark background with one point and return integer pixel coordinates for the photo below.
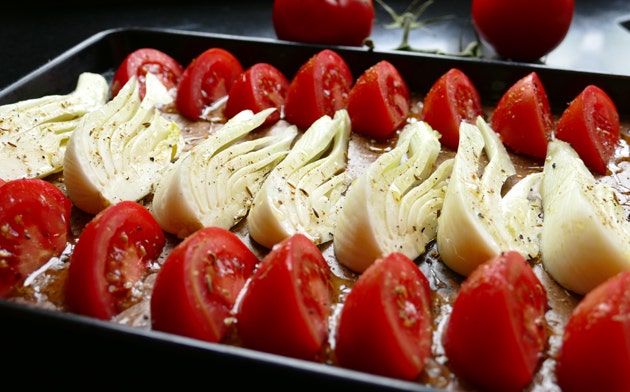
(34, 32)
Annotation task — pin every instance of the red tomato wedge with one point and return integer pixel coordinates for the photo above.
(197, 285)
(523, 118)
(285, 307)
(591, 124)
(347, 22)
(34, 227)
(496, 333)
(453, 98)
(386, 324)
(595, 350)
(144, 60)
(111, 254)
(320, 87)
(208, 78)
(379, 102)
(259, 87)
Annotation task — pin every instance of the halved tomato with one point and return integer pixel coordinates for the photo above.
(591, 124)
(141, 61)
(379, 102)
(453, 98)
(34, 227)
(259, 87)
(197, 285)
(386, 325)
(496, 333)
(320, 87)
(208, 78)
(595, 350)
(285, 307)
(523, 117)
(111, 255)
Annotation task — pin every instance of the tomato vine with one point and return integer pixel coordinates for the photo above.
(410, 19)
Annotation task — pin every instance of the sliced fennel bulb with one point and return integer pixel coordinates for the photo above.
(478, 222)
(393, 206)
(213, 184)
(301, 194)
(119, 151)
(586, 233)
(34, 132)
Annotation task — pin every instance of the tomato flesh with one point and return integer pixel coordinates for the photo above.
(346, 22)
(386, 323)
(522, 30)
(379, 102)
(208, 78)
(595, 350)
(286, 305)
(591, 124)
(141, 61)
(34, 227)
(496, 333)
(111, 254)
(523, 117)
(453, 98)
(259, 87)
(197, 285)
(320, 87)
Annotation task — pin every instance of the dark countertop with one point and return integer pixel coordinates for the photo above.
(32, 33)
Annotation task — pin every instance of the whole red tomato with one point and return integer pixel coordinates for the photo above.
(340, 22)
(522, 30)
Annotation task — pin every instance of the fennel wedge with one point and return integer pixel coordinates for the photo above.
(119, 151)
(586, 233)
(213, 184)
(477, 221)
(301, 195)
(34, 133)
(393, 206)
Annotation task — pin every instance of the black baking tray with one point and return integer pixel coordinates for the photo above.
(50, 347)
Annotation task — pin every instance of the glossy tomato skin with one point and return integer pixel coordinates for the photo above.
(259, 87)
(208, 78)
(379, 102)
(386, 324)
(496, 333)
(198, 283)
(143, 60)
(320, 87)
(522, 30)
(591, 124)
(523, 117)
(34, 226)
(285, 307)
(111, 254)
(595, 350)
(343, 22)
(453, 98)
